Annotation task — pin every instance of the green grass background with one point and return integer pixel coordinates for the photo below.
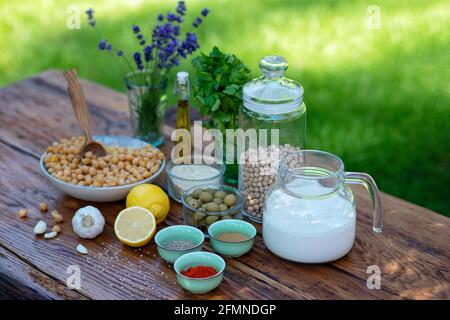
(377, 98)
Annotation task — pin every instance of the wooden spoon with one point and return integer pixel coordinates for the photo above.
(81, 112)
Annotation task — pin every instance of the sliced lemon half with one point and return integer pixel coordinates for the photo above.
(135, 226)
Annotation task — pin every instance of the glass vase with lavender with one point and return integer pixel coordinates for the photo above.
(148, 70)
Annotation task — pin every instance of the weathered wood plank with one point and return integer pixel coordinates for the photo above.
(95, 115)
(407, 272)
(19, 280)
(111, 270)
(413, 252)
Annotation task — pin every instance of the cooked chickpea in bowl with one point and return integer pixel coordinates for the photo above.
(128, 162)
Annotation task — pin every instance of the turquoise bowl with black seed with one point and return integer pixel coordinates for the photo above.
(178, 233)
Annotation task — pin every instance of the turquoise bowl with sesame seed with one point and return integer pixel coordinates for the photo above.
(232, 249)
(178, 233)
(194, 259)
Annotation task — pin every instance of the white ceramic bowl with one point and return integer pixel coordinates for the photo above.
(102, 194)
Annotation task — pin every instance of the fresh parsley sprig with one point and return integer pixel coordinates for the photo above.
(218, 88)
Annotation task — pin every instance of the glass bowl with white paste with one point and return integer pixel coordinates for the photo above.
(181, 177)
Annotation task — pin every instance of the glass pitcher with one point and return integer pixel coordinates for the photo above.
(309, 213)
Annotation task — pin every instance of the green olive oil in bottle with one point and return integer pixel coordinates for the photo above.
(182, 93)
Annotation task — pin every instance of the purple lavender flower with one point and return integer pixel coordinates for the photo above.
(171, 17)
(162, 32)
(148, 53)
(204, 12)
(102, 44)
(189, 45)
(166, 52)
(181, 52)
(139, 35)
(165, 42)
(176, 30)
(174, 61)
(138, 60)
(90, 16)
(136, 29)
(181, 8)
(90, 13)
(197, 22)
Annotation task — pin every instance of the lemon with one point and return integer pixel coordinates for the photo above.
(135, 226)
(150, 197)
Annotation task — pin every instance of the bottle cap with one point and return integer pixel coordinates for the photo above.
(182, 77)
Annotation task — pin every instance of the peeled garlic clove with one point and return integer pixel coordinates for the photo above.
(40, 227)
(82, 249)
(50, 235)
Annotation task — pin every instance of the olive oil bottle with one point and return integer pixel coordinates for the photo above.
(182, 93)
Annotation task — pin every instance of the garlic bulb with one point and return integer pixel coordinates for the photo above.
(88, 222)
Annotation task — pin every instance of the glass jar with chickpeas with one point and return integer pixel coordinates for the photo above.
(273, 107)
(120, 166)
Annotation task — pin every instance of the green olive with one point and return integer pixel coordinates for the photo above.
(194, 203)
(211, 219)
(223, 207)
(210, 190)
(203, 207)
(199, 216)
(230, 200)
(218, 200)
(196, 193)
(220, 194)
(212, 207)
(190, 198)
(192, 221)
(206, 196)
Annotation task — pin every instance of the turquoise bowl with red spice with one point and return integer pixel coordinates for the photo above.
(195, 259)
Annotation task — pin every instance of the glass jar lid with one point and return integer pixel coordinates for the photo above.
(273, 93)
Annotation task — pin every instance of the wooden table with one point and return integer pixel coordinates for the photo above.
(413, 252)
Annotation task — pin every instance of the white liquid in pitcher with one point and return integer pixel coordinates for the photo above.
(313, 230)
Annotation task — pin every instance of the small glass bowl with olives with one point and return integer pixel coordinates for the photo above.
(205, 204)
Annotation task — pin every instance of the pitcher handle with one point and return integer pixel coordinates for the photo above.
(368, 182)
